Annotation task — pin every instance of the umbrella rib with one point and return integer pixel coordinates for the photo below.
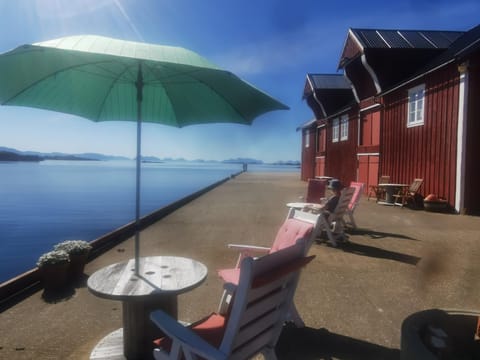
(195, 79)
(110, 90)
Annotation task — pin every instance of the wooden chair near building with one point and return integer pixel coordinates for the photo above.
(408, 194)
(377, 191)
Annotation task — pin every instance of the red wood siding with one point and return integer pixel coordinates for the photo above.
(351, 48)
(341, 160)
(368, 158)
(321, 140)
(308, 154)
(370, 129)
(368, 170)
(427, 151)
(320, 166)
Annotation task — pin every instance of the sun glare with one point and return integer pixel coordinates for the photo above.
(63, 11)
(58, 9)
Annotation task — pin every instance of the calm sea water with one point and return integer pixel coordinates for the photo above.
(44, 203)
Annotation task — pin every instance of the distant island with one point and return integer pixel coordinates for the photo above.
(9, 154)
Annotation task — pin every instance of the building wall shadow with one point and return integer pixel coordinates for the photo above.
(320, 344)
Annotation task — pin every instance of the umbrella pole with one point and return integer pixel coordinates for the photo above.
(139, 85)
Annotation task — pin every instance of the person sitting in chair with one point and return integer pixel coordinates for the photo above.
(331, 203)
(336, 187)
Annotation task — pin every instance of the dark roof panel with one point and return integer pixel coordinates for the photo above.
(329, 81)
(418, 39)
(394, 39)
(370, 39)
(461, 47)
(415, 39)
(438, 39)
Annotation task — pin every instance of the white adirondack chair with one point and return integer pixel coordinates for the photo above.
(333, 223)
(298, 225)
(254, 320)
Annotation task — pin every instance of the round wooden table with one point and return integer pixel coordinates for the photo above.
(390, 190)
(160, 280)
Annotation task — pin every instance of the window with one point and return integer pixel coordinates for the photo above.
(307, 139)
(344, 127)
(335, 130)
(416, 106)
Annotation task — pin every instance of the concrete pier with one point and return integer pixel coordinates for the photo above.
(353, 299)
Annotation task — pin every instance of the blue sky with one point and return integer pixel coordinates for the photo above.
(272, 44)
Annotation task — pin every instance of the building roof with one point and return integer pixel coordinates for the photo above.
(377, 59)
(306, 125)
(406, 39)
(326, 93)
(328, 81)
(463, 46)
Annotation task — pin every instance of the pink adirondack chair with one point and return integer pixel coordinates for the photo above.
(254, 321)
(352, 205)
(298, 226)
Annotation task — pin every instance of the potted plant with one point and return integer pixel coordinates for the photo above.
(434, 203)
(77, 251)
(53, 267)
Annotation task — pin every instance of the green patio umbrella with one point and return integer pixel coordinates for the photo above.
(104, 79)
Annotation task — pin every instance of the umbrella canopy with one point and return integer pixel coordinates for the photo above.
(104, 79)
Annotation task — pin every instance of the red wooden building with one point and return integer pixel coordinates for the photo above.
(416, 114)
(331, 99)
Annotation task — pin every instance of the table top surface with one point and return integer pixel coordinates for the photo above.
(158, 276)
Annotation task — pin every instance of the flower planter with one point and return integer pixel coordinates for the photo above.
(77, 251)
(435, 205)
(77, 265)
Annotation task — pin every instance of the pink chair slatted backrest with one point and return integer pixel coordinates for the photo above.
(358, 186)
(315, 190)
(291, 231)
(260, 305)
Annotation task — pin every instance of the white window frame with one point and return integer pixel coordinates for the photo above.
(416, 106)
(307, 139)
(344, 128)
(335, 129)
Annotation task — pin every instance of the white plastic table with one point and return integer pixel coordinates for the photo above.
(160, 280)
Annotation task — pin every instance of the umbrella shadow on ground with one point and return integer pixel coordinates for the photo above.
(320, 344)
(372, 251)
(377, 234)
